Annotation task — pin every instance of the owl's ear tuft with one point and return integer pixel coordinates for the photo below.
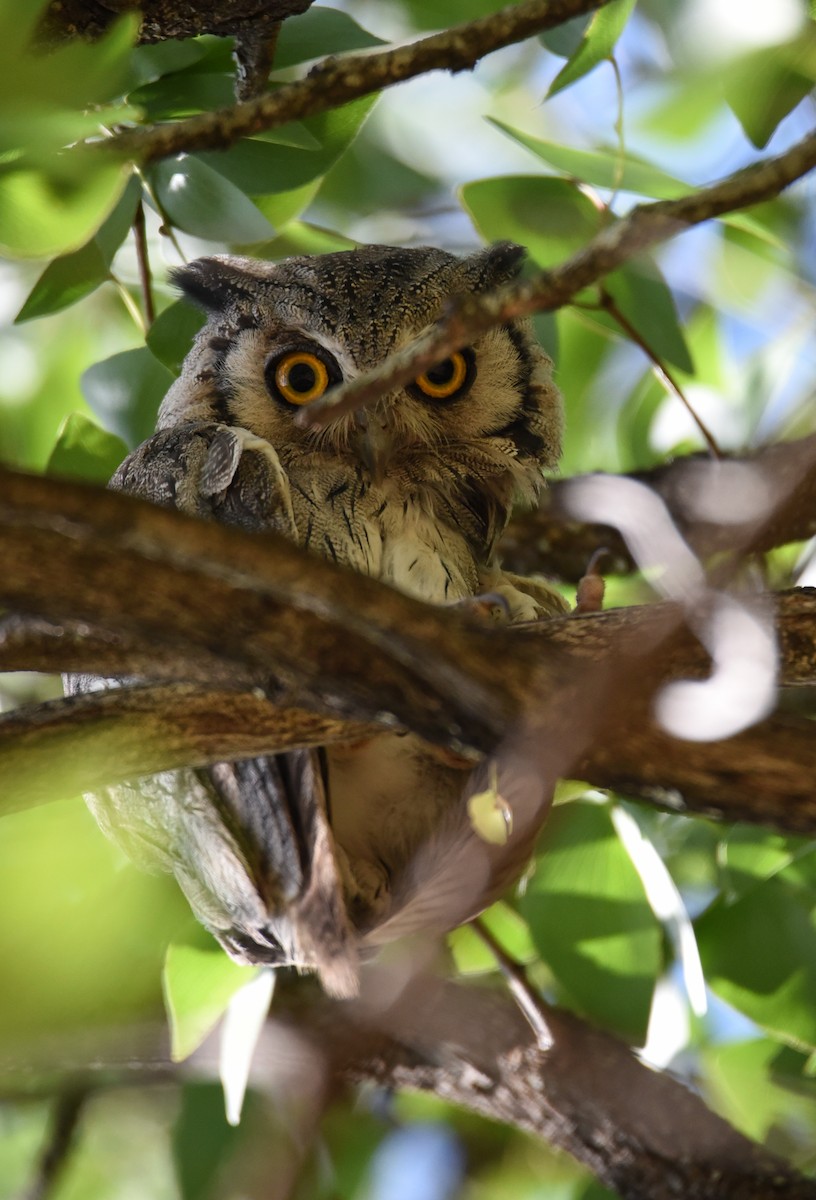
(216, 284)
(498, 264)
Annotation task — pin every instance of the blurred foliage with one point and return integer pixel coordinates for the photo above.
(694, 91)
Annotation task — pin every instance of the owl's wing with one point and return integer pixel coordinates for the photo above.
(249, 842)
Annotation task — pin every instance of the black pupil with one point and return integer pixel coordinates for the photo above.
(442, 373)
(302, 377)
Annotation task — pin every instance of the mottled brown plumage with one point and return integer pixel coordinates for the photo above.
(304, 857)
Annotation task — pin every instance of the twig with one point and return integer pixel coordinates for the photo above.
(661, 370)
(143, 259)
(336, 81)
(518, 985)
(61, 1136)
(470, 316)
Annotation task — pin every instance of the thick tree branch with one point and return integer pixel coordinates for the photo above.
(468, 317)
(96, 739)
(255, 601)
(337, 81)
(138, 731)
(164, 19)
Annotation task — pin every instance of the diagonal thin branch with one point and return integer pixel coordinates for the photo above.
(336, 81)
(468, 317)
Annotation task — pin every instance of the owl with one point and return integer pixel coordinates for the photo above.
(314, 857)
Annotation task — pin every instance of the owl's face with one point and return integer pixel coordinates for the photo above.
(280, 335)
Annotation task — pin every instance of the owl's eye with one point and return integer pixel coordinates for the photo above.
(447, 380)
(299, 376)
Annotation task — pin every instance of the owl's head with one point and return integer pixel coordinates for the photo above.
(279, 335)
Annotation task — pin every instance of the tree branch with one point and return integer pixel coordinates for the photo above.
(265, 612)
(641, 1132)
(336, 81)
(61, 1137)
(698, 493)
(164, 19)
(468, 317)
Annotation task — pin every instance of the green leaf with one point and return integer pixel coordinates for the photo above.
(317, 32)
(198, 986)
(565, 39)
(73, 276)
(203, 1142)
(601, 168)
(748, 855)
(65, 281)
(125, 392)
(84, 451)
(43, 214)
(171, 334)
(641, 294)
(590, 919)
(298, 237)
(201, 201)
(764, 86)
(260, 167)
(759, 954)
(749, 1091)
(157, 59)
(115, 228)
(510, 930)
(551, 217)
(598, 43)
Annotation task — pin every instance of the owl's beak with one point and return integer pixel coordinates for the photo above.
(375, 442)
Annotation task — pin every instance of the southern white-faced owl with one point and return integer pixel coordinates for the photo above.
(309, 856)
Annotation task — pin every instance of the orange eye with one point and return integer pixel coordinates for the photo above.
(298, 377)
(447, 379)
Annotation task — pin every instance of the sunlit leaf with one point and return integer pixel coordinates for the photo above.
(601, 168)
(203, 202)
(759, 954)
(125, 392)
(748, 855)
(751, 1093)
(598, 43)
(509, 929)
(198, 986)
(84, 451)
(317, 32)
(73, 276)
(298, 237)
(46, 214)
(552, 217)
(764, 86)
(591, 921)
(258, 166)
